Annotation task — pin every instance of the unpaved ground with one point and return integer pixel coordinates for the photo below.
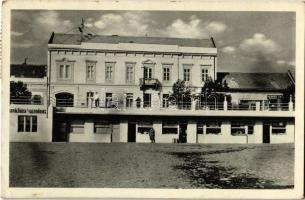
(151, 165)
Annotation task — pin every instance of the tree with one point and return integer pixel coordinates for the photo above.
(213, 92)
(181, 95)
(289, 91)
(19, 92)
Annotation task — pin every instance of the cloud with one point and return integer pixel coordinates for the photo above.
(228, 49)
(259, 43)
(126, 23)
(215, 27)
(23, 44)
(281, 62)
(16, 33)
(51, 21)
(194, 28)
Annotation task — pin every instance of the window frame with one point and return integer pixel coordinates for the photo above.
(170, 124)
(93, 65)
(127, 66)
(166, 76)
(278, 127)
(64, 63)
(189, 68)
(112, 64)
(33, 126)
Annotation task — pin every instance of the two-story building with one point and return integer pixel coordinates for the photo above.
(116, 88)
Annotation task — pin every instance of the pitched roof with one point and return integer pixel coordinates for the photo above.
(28, 70)
(60, 38)
(256, 81)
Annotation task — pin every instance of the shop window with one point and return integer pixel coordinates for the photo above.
(242, 128)
(77, 126)
(27, 123)
(200, 127)
(102, 127)
(144, 127)
(278, 128)
(169, 127)
(213, 127)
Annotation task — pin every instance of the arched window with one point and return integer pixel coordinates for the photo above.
(64, 99)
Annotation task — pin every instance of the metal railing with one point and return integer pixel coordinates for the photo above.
(194, 105)
(24, 100)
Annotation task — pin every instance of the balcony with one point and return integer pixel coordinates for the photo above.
(152, 83)
(182, 109)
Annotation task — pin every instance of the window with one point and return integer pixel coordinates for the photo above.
(90, 71)
(147, 100)
(77, 126)
(278, 128)
(65, 72)
(102, 127)
(144, 127)
(108, 100)
(165, 101)
(27, 123)
(148, 71)
(204, 75)
(166, 72)
(129, 100)
(213, 127)
(130, 72)
(169, 127)
(109, 74)
(200, 127)
(242, 128)
(187, 74)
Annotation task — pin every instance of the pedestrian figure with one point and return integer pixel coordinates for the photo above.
(96, 100)
(152, 135)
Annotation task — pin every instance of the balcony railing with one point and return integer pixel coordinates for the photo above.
(146, 83)
(23, 100)
(158, 105)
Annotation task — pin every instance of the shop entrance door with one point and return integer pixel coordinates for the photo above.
(131, 132)
(61, 132)
(182, 132)
(266, 133)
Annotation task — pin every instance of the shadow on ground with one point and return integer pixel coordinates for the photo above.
(207, 173)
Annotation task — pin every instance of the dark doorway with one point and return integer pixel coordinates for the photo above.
(266, 133)
(182, 132)
(61, 131)
(131, 132)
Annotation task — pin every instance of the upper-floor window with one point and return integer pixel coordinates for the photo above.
(187, 73)
(65, 69)
(109, 71)
(130, 72)
(147, 72)
(90, 70)
(166, 72)
(204, 75)
(27, 123)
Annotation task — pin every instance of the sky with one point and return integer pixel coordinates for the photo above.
(246, 41)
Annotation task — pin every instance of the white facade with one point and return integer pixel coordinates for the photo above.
(117, 72)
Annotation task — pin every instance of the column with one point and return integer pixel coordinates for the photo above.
(257, 106)
(191, 136)
(123, 130)
(157, 125)
(225, 104)
(290, 104)
(257, 133)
